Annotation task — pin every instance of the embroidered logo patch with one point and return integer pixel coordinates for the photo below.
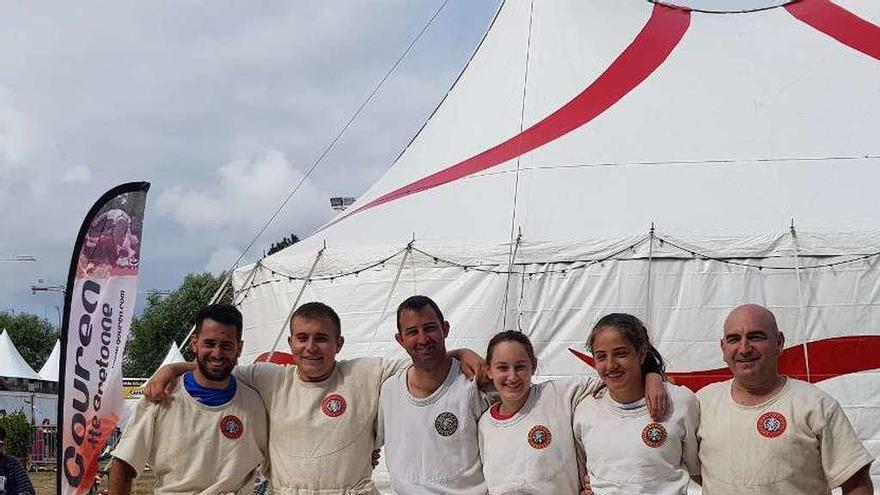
(654, 435)
(333, 405)
(231, 427)
(771, 424)
(446, 424)
(540, 437)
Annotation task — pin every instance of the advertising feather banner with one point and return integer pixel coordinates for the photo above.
(98, 308)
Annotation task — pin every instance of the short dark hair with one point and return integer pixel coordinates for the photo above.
(225, 314)
(511, 336)
(317, 311)
(417, 303)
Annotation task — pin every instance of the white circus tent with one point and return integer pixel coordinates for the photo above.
(12, 365)
(528, 199)
(49, 371)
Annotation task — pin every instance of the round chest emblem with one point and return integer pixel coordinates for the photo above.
(771, 424)
(446, 424)
(333, 405)
(231, 427)
(654, 435)
(540, 437)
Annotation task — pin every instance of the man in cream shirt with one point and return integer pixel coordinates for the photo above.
(763, 433)
(211, 436)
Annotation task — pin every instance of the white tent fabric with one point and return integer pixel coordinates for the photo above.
(12, 365)
(525, 201)
(49, 371)
(173, 355)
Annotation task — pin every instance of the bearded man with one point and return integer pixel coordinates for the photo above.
(211, 435)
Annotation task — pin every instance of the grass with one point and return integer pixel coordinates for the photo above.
(44, 483)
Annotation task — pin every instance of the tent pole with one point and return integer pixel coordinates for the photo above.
(648, 312)
(510, 263)
(802, 317)
(519, 304)
(522, 118)
(412, 260)
(250, 278)
(407, 253)
(295, 304)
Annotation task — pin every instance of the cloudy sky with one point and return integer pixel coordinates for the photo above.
(222, 106)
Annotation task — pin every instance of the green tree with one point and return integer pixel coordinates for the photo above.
(18, 434)
(165, 320)
(33, 336)
(283, 243)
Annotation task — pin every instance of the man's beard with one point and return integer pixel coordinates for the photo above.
(216, 376)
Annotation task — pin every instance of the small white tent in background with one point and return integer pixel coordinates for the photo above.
(173, 356)
(49, 371)
(12, 365)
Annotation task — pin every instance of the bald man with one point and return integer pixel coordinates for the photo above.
(764, 433)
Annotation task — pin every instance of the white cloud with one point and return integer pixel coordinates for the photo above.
(221, 259)
(94, 95)
(246, 193)
(17, 135)
(79, 173)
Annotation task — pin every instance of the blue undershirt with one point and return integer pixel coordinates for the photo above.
(209, 396)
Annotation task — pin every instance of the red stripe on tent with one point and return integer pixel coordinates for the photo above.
(839, 23)
(829, 358)
(651, 47)
(277, 357)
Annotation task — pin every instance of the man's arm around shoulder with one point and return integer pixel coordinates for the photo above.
(160, 387)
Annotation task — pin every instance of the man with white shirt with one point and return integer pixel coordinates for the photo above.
(429, 413)
(763, 433)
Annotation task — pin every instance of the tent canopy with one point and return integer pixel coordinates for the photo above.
(12, 365)
(49, 371)
(173, 355)
(576, 125)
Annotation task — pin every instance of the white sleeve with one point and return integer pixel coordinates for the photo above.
(136, 443)
(580, 456)
(380, 427)
(261, 377)
(480, 401)
(391, 367)
(690, 445)
(579, 388)
(843, 454)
